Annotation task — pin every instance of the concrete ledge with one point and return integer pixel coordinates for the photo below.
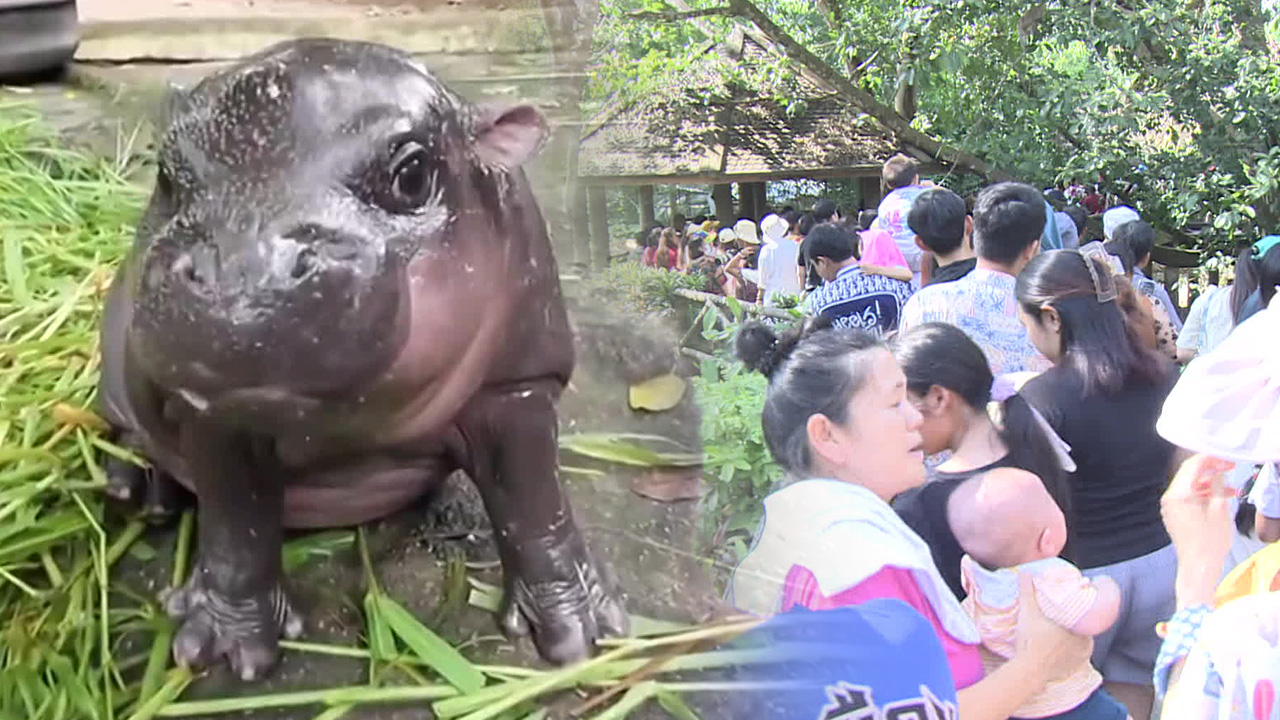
(207, 39)
(478, 78)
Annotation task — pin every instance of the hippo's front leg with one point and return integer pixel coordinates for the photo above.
(552, 586)
(234, 605)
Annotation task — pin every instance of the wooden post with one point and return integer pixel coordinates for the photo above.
(581, 229)
(673, 205)
(599, 204)
(746, 201)
(870, 188)
(762, 199)
(646, 207)
(723, 196)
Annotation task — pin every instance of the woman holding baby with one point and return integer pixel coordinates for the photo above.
(837, 418)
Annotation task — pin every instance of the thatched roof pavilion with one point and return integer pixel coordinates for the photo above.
(712, 126)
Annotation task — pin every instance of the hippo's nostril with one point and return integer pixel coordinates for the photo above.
(199, 266)
(304, 263)
(184, 268)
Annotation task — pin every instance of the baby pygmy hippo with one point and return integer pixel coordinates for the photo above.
(1007, 523)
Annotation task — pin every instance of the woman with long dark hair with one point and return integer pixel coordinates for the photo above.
(950, 382)
(1102, 397)
(1257, 275)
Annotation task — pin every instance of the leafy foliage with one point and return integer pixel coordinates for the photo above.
(738, 466)
(634, 288)
(1175, 105)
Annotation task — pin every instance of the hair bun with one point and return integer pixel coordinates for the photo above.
(757, 348)
(761, 350)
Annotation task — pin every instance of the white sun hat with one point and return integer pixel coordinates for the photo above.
(1227, 403)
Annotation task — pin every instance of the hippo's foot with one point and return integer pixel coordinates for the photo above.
(149, 492)
(560, 600)
(245, 630)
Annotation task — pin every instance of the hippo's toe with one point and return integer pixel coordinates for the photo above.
(565, 617)
(245, 631)
(150, 492)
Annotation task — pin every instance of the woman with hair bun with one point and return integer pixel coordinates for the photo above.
(837, 419)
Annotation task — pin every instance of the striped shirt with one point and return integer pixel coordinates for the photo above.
(1064, 595)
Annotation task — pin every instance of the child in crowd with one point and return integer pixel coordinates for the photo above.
(1007, 523)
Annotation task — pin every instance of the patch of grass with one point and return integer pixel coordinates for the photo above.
(65, 220)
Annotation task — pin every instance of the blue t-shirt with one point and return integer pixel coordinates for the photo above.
(879, 660)
(857, 300)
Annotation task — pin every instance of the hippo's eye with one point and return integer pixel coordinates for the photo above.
(411, 181)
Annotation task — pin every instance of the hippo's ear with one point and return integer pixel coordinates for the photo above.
(509, 137)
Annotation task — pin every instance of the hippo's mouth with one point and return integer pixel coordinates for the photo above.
(259, 406)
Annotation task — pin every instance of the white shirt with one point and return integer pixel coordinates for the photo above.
(778, 261)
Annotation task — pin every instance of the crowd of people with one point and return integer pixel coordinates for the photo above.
(989, 431)
(914, 259)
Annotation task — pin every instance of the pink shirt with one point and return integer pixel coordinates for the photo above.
(801, 588)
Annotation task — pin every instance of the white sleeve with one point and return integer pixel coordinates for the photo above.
(1189, 338)
(1265, 495)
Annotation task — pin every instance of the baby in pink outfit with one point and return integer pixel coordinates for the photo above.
(1007, 523)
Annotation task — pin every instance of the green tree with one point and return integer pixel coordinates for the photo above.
(1175, 104)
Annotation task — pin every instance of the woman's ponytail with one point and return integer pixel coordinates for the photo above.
(1032, 449)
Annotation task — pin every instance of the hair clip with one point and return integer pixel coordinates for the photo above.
(1104, 283)
(1263, 246)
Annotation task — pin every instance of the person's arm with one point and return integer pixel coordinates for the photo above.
(1105, 609)
(1268, 527)
(1189, 339)
(1170, 308)
(910, 314)
(768, 257)
(897, 273)
(1265, 497)
(1046, 651)
(1196, 510)
(1083, 606)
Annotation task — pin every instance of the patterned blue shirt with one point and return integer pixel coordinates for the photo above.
(983, 305)
(856, 300)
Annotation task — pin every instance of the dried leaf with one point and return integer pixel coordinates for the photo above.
(658, 394)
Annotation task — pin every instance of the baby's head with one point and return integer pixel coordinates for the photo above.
(1006, 517)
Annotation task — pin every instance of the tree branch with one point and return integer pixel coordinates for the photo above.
(886, 115)
(863, 99)
(674, 15)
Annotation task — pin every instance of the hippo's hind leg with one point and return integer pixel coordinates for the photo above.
(234, 605)
(553, 587)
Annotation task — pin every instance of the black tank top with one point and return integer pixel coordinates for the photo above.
(924, 510)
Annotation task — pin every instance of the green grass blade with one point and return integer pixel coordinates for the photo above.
(334, 713)
(676, 706)
(430, 648)
(15, 271)
(638, 695)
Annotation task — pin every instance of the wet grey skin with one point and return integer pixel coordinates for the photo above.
(342, 290)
